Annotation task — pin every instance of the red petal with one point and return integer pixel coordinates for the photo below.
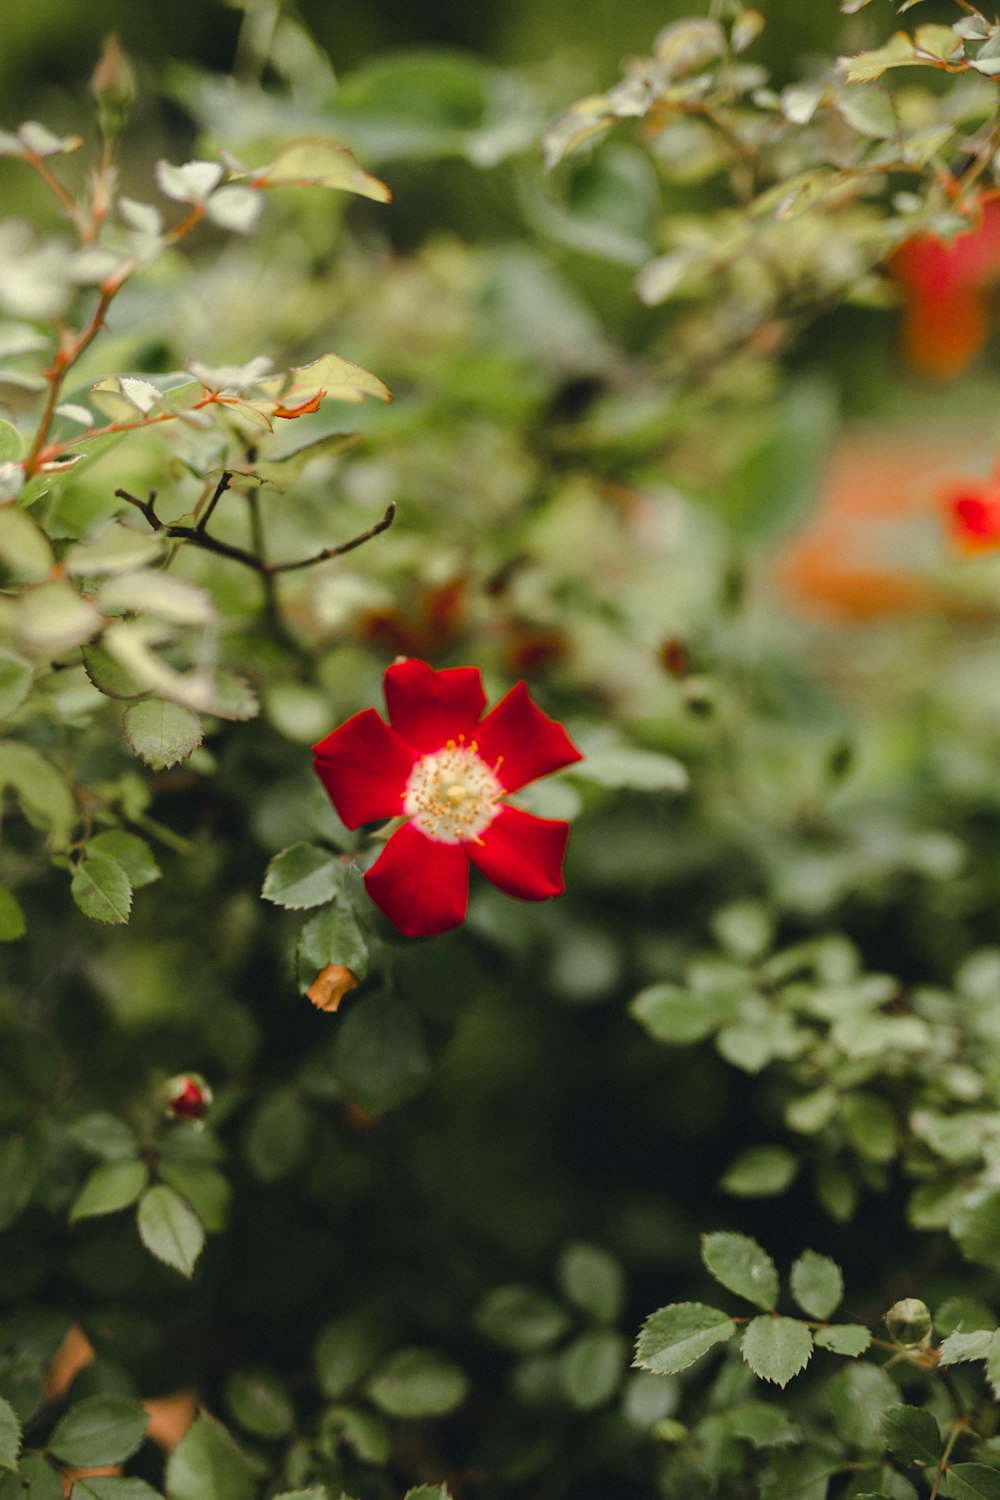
(522, 854)
(420, 885)
(521, 743)
(430, 708)
(364, 766)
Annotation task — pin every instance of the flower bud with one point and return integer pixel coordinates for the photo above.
(187, 1097)
(113, 85)
(909, 1322)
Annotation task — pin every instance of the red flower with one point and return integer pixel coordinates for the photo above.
(188, 1097)
(972, 511)
(947, 287)
(447, 770)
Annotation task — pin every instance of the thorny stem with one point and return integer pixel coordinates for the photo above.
(957, 1428)
(63, 194)
(68, 353)
(199, 537)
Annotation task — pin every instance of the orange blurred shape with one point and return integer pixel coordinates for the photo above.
(330, 986)
(170, 1417)
(427, 627)
(70, 1476)
(74, 1353)
(857, 556)
(947, 294)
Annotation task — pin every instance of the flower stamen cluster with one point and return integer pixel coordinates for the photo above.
(452, 795)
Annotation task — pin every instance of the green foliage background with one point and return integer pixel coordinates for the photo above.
(414, 1241)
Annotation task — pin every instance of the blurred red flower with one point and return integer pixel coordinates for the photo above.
(947, 291)
(972, 513)
(446, 770)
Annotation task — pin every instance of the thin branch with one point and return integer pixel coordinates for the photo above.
(220, 490)
(201, 538)
(66, 358)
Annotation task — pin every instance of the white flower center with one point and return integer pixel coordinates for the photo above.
(452, 795)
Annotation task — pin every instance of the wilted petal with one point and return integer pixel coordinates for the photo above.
(420, 885)
(523, 855)
(430, 708)
(521, 743)
(364, 766)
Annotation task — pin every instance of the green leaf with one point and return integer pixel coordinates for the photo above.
(519, 1317)
(867, 66)
(772, 488)
(11, 442)
(101, 889)
(850, 1339)
(129, 851)
(208, 1465)
(205, 1188)
(260, 1403)
(346, 1351)
(428, 1492)
(591, 1368)
(364, 1432)
(912, 1435)
(15, 681)
(776, 1348)
(12, 919)
(635, 770)
(37, 1480)
(24, 547)
(976, 1228)
(52, 617)
(380, 1056)
(160, 733)
(871, 1126)
(104, 1134)
(762, 1424)
(760, 1172)
(971, 1482)
(679, 1016)
(593, 1280)
(817, 1284)
(332, 936)
(108, 676)
(302, 876)
(674, 1337)
(17, 1179)
(42, 792)
(277, 1135)
(99, 1430)
(857, 1398)
(10, 1436)
(110, 1187)
(418, 1383)
(110, 1487)
(170, 1229)
(742, 1266)
(745, 929)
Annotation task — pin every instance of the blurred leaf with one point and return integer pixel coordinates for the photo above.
(24, 547)
(760, 1172)
(639, 770)
(591, 1368)
(381, 1057)
(593, 1279)
(867, 66)
(971, 1482)
(170, 1229)
(776, 484)
(10, 1436)
(260, 1403)
(315, 162)
(679, 1017)
(675, 1337)
(17, 1179)
(104, 1134)
(40, 789)
(204, 1187)
(129, 851)
(99, 1487)
(871, 1126)
(101, 889)
(857, 1399)
(346, 1351)
(817, 1284)
(111, 1186)
(15, 681)
(99, 1430)
(12, 920)
(776, 1348)
(417, 1383)
(332, 936)
(361, 1430)
(519, 1317)
(277, 1135)
(742, 1266)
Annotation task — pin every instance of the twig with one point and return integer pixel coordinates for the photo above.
(199, 537)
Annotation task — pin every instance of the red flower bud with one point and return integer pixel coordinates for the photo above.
(187, 1097)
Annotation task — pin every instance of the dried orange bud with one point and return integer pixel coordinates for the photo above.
(331, 985)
